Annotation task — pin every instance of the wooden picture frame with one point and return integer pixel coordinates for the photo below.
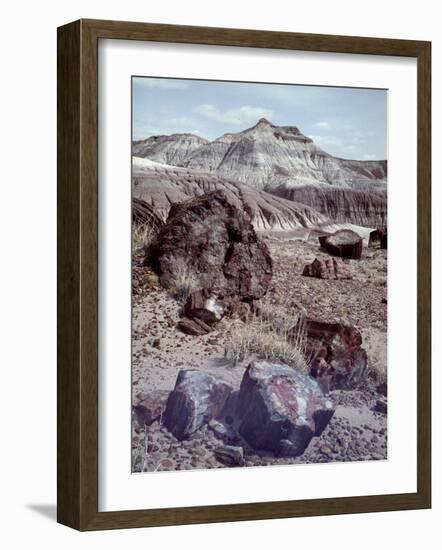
(78, 274)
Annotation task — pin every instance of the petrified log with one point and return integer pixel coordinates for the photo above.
(327, 269)
(378, 238)
(196, 399)
(215, 242)
(337, 358)
(344, 243)
(280, 409)
(194, 327)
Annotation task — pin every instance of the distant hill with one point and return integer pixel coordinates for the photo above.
(161, 186)
(284, 162)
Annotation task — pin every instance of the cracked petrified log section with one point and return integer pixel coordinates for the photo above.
(327, 269)
(280, 408)
(337, 359)
(344, 243)
(213, 242)
(197, 398)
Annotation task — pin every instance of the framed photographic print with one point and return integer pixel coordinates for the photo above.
(243, 275)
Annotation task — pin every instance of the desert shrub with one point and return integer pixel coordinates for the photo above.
(273, 334)
(185, 282)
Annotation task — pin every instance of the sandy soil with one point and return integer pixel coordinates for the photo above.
(355, 432)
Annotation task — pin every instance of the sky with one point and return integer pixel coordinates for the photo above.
(348, 123)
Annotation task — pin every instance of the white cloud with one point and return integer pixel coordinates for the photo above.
(238, 116)
(322, 124)
(161, 83)
(181, 121)
(330, 141)
(175, 125)
(369, 156)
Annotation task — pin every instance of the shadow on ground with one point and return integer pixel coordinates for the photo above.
(48, 511)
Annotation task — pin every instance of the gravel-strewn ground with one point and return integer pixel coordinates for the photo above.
(355, 432)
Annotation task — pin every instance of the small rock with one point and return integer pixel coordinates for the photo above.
(380, 407)
(218, 429)
(205, 306)
(230, 455)
(225, 433)
(194, 327)
(149, 407)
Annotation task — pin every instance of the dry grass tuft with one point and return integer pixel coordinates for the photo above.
(271, 335)
(185, 282)
(142, 235)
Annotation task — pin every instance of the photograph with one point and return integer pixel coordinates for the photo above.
(259, 274)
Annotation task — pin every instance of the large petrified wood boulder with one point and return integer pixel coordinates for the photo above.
(280, 409)
(337, 359)
(214, 242)
(196, 399)
(327, 269)
(345, 243)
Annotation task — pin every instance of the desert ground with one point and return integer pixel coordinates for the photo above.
(358, 429)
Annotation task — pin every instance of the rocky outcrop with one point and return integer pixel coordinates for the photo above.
(337, 359)
(327, 269)
(161, 186)
(280, 409)
(344, 243)
(214, 242)
(173, 149)
(197, 398)
(368, 209)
